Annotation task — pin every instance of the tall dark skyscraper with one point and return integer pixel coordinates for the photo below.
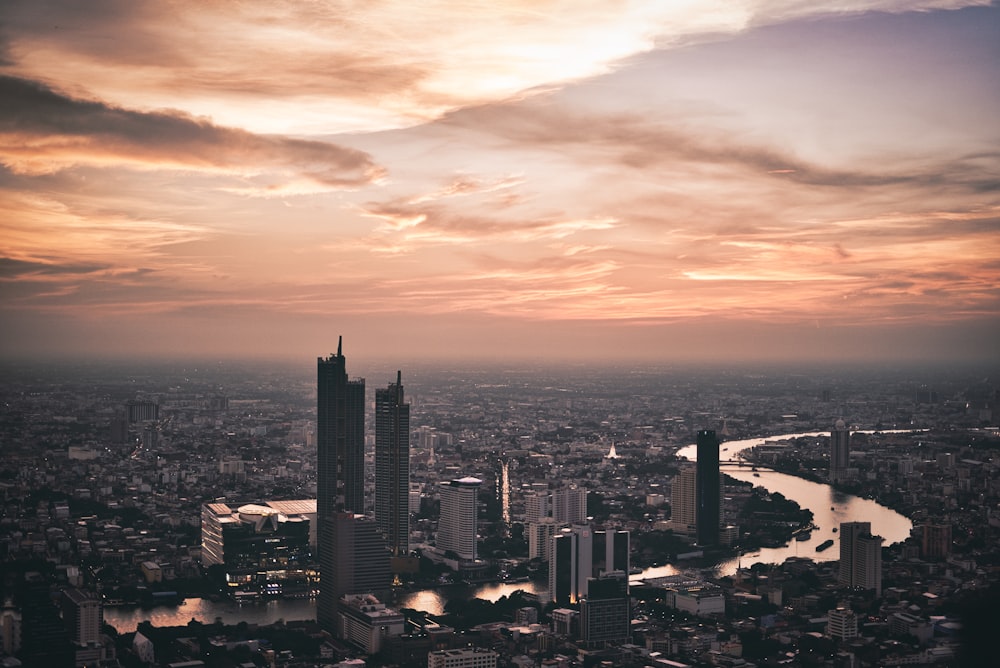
(840, 451)
(707, 488)
(340, 465)
(392, 467)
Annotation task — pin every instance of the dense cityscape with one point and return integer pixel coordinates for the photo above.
(274, 515)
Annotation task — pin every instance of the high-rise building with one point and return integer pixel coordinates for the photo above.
(683, 509)
(605, 617)
(392, 466)
(340, 469)
(860, 557)
(459, 523)
(82, 613)
(358, 564)
(340, 438)
(842, 623)
(537, 507)
(840, 451)
(569, 505)
(936, 543)
(571, 560)
(540, 538)
(611, 552)
(708, 489)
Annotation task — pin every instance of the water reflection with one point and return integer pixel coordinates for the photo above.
(126, 619)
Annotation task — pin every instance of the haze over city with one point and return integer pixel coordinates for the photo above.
(736, 181)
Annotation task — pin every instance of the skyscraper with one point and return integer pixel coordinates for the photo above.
(571, 560)
(459, 524)
(358, 564)
(569, 505)
(340, 466)
(708, 488)
(340, 438)
(611, 552)
(840, 451)
(392, 467)
(683, 510)
(860, 557)
(604, 612)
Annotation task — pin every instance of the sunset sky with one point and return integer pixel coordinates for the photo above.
(730, 180)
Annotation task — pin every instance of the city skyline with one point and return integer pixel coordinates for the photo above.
(694, 181)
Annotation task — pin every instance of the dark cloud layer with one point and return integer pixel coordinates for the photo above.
(33, 111)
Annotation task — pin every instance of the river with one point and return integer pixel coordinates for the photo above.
(829, 508)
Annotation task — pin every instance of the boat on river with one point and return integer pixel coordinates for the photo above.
(825, 544)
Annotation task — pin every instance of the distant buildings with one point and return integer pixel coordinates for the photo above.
(860, 557)
(840, 451)
(708, 489)
(340, 472)
(459, 523)
(392, 467)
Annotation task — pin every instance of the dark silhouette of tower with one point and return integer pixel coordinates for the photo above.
(340, 464)
(840, 451)
(707, 488)
(392, 467)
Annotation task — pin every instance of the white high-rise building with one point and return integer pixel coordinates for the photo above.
(569, 505)
(458, 524)
(683, 510)
(842, 623)
(536, 507)
(540, 538)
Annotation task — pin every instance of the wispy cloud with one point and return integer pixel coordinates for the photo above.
(44, 131)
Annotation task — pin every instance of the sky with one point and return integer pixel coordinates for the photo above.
(694, 180)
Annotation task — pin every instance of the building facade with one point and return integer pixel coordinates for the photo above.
(367, 623)
(571, 559)
(265, 548)
(860, 557)
(392, 467)
(359, 564)
(340, 466)
(605, 614)
(458, 525)
(683, 508)
(569, 505)
(708, 489)
(840, 451)
(468, 657)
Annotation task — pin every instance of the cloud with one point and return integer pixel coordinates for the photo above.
(673, 139)
(327, 67)
(44, 131)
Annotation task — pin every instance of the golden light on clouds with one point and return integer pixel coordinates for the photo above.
(561, 173)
